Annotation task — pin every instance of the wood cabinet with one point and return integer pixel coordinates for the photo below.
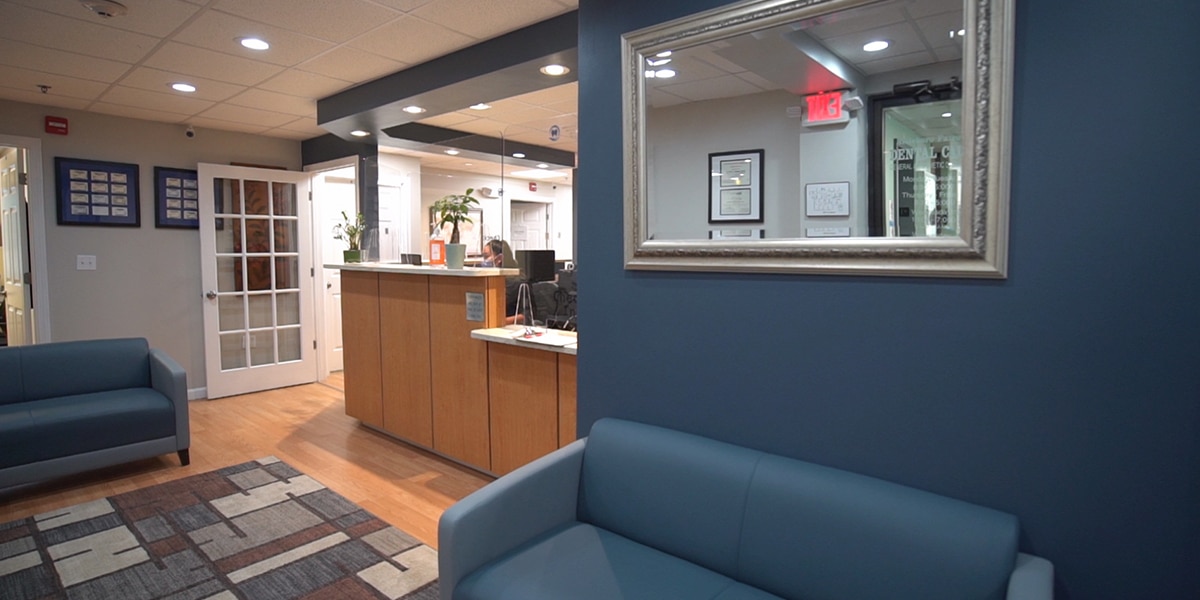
(360, 346)
(404, 355)
(523, 394)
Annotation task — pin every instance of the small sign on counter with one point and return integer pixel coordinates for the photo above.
(474, 306)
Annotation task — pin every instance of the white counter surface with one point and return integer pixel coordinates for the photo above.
(552, 340)
(378, 267)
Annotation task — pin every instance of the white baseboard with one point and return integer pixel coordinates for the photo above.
(198, 393)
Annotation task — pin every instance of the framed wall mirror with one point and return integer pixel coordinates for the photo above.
(880, 130)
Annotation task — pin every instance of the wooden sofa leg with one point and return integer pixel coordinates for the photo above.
(184, 458)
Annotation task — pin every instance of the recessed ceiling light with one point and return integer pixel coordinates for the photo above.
(480, 106)
(959, 33)
(875, 46)
(663, 54)
(555, 70)
(452, 152)
(657, 62)
(183, 87)
(946, 115)
(414, 110)
(664, 73)
(543, 166)
(254, 43)
(360, 133)
(518, 155)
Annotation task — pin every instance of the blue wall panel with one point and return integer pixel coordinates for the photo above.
(1068, 394)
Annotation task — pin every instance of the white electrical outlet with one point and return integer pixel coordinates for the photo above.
(85, 262)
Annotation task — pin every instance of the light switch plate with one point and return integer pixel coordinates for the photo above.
(85, 262)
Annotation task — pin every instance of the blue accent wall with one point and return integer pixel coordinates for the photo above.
(1067, 394)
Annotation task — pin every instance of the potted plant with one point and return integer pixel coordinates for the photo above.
(350, 231)
(453, 209)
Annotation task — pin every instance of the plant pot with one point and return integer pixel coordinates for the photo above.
(351, 256)
(455, 255)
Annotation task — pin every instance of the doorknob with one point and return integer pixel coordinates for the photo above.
(328, 285)
(211, 295)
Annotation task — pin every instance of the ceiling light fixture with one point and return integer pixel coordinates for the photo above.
(254, 43)
(959, 33)
(663, 54)
(518, 155)
(657, 62)
(543, 166)
(183, 87)
(413, 110)
(555, 70)
(876, 46)
(480, 106)
(946, 115)
(451, 152)
(664, 73)
(360, 133)
(105, 8)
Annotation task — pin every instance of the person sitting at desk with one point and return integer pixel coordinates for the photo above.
(493, 254)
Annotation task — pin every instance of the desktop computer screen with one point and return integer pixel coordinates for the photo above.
(536, 265)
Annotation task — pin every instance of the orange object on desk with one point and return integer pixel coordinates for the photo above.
(437, 252)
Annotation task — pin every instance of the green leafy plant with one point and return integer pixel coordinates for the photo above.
(453, 209)
(350, 231)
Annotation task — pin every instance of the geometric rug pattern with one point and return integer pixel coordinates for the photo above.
(258, 530)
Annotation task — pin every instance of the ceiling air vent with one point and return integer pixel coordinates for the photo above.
(105, 8)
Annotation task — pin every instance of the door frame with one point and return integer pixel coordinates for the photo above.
(318, 251)
(36, 224)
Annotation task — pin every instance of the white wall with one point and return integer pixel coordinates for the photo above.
(147, 281)
(405, 172)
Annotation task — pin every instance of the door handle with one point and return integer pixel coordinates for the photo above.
(211, 295)
(328, 285)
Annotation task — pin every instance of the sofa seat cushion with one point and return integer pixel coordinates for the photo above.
(583, 562)
(57, 427)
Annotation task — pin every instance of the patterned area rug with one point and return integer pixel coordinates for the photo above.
(259, 530)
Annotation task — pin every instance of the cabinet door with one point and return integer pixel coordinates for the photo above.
(360, 346)
(567, 375)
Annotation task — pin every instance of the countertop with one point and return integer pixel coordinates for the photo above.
(552, 340)
(382, 267)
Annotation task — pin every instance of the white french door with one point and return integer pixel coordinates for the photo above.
(256, 267)
(13, 237)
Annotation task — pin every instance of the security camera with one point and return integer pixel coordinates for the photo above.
(190, 132)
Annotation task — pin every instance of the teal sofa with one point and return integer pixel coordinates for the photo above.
(68, 407)
(641, 512)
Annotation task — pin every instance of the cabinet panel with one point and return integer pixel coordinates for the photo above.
(567, 376)
(360, 346)
(523, 392)
(404, 327)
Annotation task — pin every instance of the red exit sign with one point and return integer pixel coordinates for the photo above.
(825, 108)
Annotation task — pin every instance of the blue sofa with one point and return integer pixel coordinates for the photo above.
(641, 512)
(67, 407)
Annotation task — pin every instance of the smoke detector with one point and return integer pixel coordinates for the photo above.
(105, 8)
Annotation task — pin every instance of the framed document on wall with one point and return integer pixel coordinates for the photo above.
(94, 192)
(735, 187)
(176, 198)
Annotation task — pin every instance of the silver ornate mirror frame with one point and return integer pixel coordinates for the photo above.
(980, 251)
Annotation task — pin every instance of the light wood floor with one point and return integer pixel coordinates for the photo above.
(305, 426)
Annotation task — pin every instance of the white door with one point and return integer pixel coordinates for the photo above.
(14, 239)
(256, 267)
(334, 192)
(529, 226)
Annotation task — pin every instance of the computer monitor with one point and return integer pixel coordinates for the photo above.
(536, 265)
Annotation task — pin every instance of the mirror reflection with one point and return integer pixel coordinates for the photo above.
(844, 124)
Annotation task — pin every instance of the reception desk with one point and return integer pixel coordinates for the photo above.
(414, 370)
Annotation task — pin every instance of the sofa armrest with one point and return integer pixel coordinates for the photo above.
(170, 380)
(507, 513)
(1031, 579)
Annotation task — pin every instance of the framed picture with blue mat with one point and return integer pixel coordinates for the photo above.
(95, 192)
(176, 198)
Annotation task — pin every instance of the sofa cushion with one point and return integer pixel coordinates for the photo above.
(679, 493)
(582, 562)
(56, 427)
(812, 532)
(69, 368)
(12, 388)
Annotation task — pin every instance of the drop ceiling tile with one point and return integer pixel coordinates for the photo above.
(204, 122)
(156, 18)
(71, 87)
(146, 114)
(404, 5)
(483, 19)
(156, 80)
(276, 102)
(73, 35)
(448, 120)
(563, 122)
(23, 95)
(333, 20)
(303, 83)
(411, 40)
(306, 125)
(351, 65)
(19, 54)
(201, 62)
(288, 134)
(175, 102)
(523, 116)
(220, 32)
(250, 116)
(717, 87)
